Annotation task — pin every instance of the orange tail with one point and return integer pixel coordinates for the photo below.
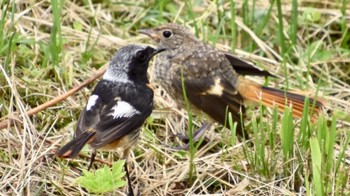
(270, 97)
(73, 148)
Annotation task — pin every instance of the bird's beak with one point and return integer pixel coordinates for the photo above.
(158, 50)
(150, 33)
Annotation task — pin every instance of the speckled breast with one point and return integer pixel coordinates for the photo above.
(164, 75)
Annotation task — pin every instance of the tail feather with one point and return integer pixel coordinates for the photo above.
(271, 97)
(73, 148)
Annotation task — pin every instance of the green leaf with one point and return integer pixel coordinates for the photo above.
(342, 115)
(77, 26)
(104, 179)
(311, 15)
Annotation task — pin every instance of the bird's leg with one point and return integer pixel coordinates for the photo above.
(126, 156)
(93, 155)
(196, 135)
(131, 191)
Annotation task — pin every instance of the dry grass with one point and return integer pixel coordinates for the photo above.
(91, 33)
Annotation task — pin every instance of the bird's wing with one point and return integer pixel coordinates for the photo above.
(118, 119)
(216, 97)
(90, 116)
(244, 68)
(112, 113)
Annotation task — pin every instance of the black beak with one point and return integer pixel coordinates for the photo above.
(156, 51)
(159, 50)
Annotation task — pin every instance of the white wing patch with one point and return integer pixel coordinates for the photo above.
(216, 89)
(123, 109)
(91, 102)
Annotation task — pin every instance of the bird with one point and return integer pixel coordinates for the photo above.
(117, 107)
(213, 80)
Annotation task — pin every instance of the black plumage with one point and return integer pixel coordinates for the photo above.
(118, 106)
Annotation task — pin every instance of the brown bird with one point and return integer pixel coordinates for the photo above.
(117, 108)
(213, 78)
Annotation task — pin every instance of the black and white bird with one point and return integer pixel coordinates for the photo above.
(118, 106)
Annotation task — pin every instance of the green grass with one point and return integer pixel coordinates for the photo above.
(48, 47)
(190, 127)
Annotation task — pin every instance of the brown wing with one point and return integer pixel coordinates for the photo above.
(215, 97)
(244, 68)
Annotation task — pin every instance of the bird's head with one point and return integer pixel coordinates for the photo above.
(170, 36)
(130, 63)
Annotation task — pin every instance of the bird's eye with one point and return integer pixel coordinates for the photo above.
(141, 55)
(167, 34)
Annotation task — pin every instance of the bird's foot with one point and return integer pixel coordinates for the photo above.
(196, 136)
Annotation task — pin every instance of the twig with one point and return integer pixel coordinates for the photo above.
(9, 122)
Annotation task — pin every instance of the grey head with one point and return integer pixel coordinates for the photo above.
(130, 64)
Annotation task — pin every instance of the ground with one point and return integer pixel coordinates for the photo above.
(49, 47)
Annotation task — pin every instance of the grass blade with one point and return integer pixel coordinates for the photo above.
(190, 129)
(281, 38)
(304, 133)
(329, 145)
(233, 25)
(287, 133)
(56, 35)
(294, 22)
(316, 158)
